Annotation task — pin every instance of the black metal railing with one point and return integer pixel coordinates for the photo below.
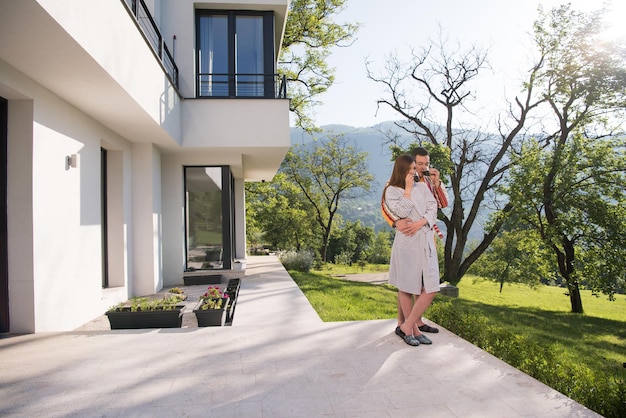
(269, 86)
(153, 36)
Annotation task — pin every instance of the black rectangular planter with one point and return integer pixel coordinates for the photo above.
(203, 279)
(212, 317)
(127, 319)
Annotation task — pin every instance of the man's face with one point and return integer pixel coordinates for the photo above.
(422, 163)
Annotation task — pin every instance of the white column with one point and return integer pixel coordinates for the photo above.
(147, 232)
(20, 217)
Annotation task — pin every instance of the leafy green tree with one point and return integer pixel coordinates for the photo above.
(515, 257)
(310, 33)
(276, 215)
(381, 248)
(327, 172)
(351, 238)
(576, 205)
(570, 186)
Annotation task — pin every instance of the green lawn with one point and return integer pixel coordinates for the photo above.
(531, 329)
(544, 297)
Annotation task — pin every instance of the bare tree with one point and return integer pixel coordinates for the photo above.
(433, 94)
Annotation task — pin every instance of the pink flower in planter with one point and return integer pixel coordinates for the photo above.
(213, 298)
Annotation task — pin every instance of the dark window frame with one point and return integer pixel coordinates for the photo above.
(227, 211)
(269, 77)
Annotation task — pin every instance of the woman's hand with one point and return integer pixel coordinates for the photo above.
(408, 183)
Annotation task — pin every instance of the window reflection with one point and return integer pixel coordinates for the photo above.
(203, 190)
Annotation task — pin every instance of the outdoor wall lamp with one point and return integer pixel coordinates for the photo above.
(71, 161)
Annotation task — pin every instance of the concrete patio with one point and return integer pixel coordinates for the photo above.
(277, 360)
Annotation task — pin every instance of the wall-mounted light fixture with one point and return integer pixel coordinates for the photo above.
(71, 161)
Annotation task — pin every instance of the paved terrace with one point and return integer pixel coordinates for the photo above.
(277, 360)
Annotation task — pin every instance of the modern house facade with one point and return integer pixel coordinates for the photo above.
(127, 131)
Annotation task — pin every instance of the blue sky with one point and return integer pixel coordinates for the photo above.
(394, 26)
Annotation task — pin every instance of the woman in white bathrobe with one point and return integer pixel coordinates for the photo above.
(413, 267)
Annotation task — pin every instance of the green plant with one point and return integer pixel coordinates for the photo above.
(176, 290)
(297, 260)
(143, 304)
(213, 298)
(344, 258)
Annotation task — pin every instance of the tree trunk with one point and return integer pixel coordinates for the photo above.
(574, 297)
(455, 242)
(325, 239)
(566, 268)
(566, 254)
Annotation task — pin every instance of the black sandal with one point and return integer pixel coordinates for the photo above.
(428, 328)
(400, 333)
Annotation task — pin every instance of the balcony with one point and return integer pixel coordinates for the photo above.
(153, 36)
(93, 56)
(272, 86)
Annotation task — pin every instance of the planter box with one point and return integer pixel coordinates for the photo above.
(449, 290)
(232, 289)
(202, 279)
(230, 311)
(126, 319)
(212, 317)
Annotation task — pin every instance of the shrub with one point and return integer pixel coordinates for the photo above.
(344, 258)
(297, 260)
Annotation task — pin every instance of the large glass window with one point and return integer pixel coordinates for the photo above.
(249, 56)
(209, 217)
(235, 54)
(213, 56)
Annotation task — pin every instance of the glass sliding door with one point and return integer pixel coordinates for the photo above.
(249, 56)
(209, 216)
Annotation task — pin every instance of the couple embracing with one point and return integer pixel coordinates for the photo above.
(410, 201)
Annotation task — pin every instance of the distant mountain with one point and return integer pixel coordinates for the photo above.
(373, 141)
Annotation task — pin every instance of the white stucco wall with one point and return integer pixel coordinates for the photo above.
(173, 220)
(54, 232)
(147, 230)
(123, 68)
(20, 214)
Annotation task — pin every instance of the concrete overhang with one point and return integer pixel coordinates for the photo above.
(102, 66)
(256, 130)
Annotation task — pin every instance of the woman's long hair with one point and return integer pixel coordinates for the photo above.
(400, 169)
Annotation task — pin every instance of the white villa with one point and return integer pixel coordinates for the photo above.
(127, 131)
